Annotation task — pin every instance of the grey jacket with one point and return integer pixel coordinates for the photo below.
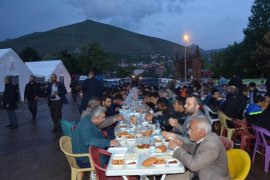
(210, 160)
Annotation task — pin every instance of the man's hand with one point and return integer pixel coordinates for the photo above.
(117, 109)
(169, 135)
(119, 117)
(114, 142)
(149, 117)
(174, 143)
(173, 122)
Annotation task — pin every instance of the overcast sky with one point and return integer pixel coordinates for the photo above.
(210, 23)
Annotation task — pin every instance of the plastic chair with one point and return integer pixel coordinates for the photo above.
(261, 135)
(242, 131)
(222, 118)
(76, 171)
(95, 154)
(67, 126)
(228, 144)
(207, 112)
(238, 163)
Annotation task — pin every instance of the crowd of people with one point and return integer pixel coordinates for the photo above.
(181, 117)
(178, 110)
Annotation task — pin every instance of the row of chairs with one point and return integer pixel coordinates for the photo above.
(241, 130)
(238, 161)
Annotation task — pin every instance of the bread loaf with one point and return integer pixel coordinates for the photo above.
(149, 161)
(161, 149)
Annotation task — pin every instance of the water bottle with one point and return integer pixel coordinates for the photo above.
(152, 144)
(158, 129)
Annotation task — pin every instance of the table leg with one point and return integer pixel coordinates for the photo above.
(125, 177)
(163, 176)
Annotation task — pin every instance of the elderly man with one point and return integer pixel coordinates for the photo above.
(204, 159)
(92, 104)
(87, 134)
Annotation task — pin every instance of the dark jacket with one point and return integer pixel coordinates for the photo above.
(91, 88)
(181, 117)
(236, 81)
(31, 91)
(61, 91)
(164, 121)
(9, 97)
(234, 106)
(263, 120)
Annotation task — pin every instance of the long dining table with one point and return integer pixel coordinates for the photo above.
(140, 141)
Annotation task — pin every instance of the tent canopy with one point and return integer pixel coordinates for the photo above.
(46, 68)
(12, 65)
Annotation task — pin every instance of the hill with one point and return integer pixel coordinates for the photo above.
(111, 38)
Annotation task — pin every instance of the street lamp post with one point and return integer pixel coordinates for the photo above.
(185, 41)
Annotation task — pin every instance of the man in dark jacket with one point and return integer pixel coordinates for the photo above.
(31, 94)
(9, 102)
(56, 97)
(236, 81)
(91, 87)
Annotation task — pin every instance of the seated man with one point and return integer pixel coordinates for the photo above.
(192, 108)
(87, 134)
(263, 120)
(204, 159)
(178, 115)
(254, 110)
(162, 115)
(92, 104)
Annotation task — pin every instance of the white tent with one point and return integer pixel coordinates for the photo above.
(12, 65)
(46, 68)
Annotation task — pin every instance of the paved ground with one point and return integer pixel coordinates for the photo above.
(32, 152)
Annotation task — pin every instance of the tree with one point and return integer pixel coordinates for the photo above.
(94, 58)
(262, 54)
(258, 27)
(29, 54)
(69, 62)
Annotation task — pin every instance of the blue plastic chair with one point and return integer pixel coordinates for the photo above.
(67, 126)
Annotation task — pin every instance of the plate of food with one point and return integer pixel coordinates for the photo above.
(149, 161)
(122, 134)
(118, 162)
(147, 132)
(142, 147)
(131, 163)
(161, 149)
(173, 162)
(117, 150)
(160, 162)
(130, 137)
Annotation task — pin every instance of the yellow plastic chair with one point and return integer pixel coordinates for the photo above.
(76, 171)
(238, 163)
(222, 117)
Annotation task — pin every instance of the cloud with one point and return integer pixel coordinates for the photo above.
(211, 24)
(126, 13)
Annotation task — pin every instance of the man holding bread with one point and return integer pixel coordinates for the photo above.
(205, 158)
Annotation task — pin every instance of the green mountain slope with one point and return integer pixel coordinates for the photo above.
(111, 38)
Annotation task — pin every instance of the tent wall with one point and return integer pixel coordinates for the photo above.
(61, 71)
(46, 68)
(12, 65)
